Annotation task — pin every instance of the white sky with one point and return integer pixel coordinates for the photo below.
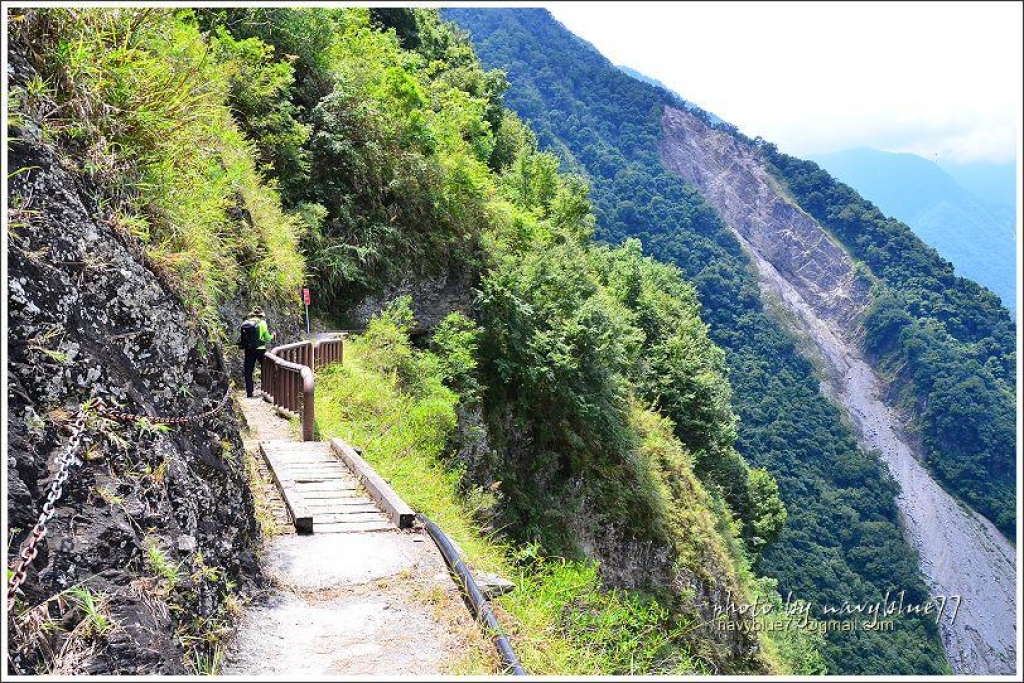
(942, 80)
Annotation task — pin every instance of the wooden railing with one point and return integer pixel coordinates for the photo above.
(329, 351)
(287, 380)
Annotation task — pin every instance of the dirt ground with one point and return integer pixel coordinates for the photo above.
(357, 604)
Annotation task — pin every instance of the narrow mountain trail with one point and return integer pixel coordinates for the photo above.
(263, 422)
(355, 603)
(963, 557)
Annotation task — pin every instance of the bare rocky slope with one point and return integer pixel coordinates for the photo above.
(88, 319)
(731, 178)
(799, 264)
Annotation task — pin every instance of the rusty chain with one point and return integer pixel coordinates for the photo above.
(120, 415)
(69, 457)
(28, 550)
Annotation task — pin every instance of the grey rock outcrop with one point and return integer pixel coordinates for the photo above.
(88, 319)
(733, 179)
(433, 297)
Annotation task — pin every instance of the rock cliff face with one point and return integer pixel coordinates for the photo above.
(433, 297)
(734, 180)
(88, 319)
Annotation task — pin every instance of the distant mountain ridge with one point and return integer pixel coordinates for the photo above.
(682, 101)
(993, 183)
(977, 236)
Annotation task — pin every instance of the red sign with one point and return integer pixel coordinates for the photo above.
(305, 295)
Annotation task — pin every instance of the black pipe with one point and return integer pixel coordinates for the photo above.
(481, 607)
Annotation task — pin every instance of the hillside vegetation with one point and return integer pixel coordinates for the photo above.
(575, 428)
(976, 236)
(947, 342)
(136, 103)
(560, 618)
(842, 539)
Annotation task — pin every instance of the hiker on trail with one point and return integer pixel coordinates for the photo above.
(253, 340)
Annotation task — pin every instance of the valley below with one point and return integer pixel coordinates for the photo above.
(963, 557)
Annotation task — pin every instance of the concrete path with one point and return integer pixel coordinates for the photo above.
(349, 604)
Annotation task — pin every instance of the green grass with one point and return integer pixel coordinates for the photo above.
(138, 103)
(95, 620)
(388, 400)
(204, 664)
(160, 565)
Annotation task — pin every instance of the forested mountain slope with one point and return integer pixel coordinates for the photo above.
(842, 540)
(946, 342)
(977, 236)
(567, 404)
(805, 268)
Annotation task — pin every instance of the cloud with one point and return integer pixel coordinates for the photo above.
(940, 79)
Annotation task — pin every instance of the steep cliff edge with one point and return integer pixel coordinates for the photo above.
(155, 525)
(151, 105)
(730, 177)
(961, 553)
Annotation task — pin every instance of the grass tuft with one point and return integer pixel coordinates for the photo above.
(160, 565)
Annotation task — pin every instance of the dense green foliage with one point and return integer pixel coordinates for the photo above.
(568, 330)
(842, 540)
(375, 139)
(396, 402)
(948, 342)
(382, 151)
(393, 400)
(413, 164)
(260, 100)
(139, 107)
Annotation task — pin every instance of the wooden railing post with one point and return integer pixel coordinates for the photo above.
(266, 378)
(308, 415)
(275, 382)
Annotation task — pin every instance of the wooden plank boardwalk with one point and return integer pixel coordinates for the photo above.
(320, 492)
(344, 604)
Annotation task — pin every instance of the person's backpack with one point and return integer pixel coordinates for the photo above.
(249, 336)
